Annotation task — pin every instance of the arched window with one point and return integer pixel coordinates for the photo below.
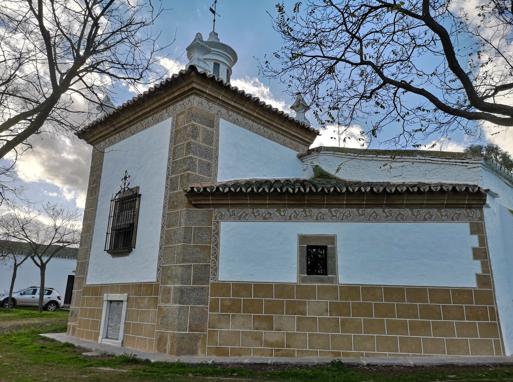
(216, 69)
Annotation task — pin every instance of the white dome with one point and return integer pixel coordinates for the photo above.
(212, 56)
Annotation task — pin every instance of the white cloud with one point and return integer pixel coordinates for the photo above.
(499, 135)
(256, 88)
(342, 136)
(62, 161)
(493, 70)
(171, 66)
(251, 85)
(165, 67)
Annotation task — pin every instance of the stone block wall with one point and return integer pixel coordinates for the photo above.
(87, 301)
(85, 246)
(314, 320)
(292, 320)
(141, 316)
(185, 263)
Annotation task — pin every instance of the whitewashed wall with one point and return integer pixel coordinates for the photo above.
(145, 156)
(421, 254)
(399, 169)
(28, 274)
(499, 229)
(244, 154)
(498, 218)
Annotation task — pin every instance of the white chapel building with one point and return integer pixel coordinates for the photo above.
(211, 229)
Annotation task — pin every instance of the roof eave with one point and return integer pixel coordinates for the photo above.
(185, 84)
(309, 193)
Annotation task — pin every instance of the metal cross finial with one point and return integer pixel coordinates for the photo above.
(213, 10)
(125, 182)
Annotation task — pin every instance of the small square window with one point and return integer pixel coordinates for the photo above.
(317, 260)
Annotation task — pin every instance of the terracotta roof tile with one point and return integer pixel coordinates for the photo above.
(171, 81)
(324, 186)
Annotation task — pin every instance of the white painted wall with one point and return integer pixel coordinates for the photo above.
(400, 169)
(28, 274)
(145, 156)
(244, 154)
(499, 229)
(424, 254)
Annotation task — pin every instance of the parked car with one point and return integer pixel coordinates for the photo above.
(52, 299)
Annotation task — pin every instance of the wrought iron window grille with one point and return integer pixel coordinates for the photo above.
(123, 218)
(317, 260)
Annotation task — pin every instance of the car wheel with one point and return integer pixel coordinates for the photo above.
(52, 306)
(6, 305)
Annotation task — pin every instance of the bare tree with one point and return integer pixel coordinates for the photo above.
(58, 56)
(424, 67)
(8, 188)
(46, 231)
(14, 255)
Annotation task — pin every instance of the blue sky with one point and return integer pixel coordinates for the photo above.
(57, 168)
(244, 25)
(57, 171)
(247, 27)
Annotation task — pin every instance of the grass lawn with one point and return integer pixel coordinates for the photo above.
(12, 315)
(25, 356)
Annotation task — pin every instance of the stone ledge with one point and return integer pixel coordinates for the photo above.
(375, 361)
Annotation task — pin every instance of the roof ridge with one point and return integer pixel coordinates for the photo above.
(392, 152)
(140, 98)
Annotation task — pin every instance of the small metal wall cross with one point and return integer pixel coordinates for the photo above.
(125, 182)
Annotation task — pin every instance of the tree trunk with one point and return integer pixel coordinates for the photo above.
(42, 272)
(11, 287)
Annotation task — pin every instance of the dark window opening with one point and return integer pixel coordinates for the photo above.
(216, 69)
(123, 217)
(317, 260)
(227, 75)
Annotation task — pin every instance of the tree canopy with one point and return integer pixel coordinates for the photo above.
(493, 153)
(57, 57)
(424, 67)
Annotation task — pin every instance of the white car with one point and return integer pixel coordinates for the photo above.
(52, 299)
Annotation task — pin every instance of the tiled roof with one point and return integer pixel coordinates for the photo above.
(324, 186)
(21, 248)
(174, 79)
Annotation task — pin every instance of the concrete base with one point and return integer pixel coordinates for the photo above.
(100, 349)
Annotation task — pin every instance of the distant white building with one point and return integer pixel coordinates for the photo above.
(60, 271)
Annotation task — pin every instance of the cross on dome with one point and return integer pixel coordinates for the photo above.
(212, 56)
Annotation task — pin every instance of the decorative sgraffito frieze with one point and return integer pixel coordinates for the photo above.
(349, 214)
